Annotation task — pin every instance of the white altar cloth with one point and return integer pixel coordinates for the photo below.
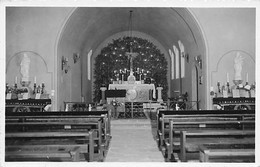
(136, 87)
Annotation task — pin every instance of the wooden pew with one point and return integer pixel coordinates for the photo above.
(64, 121)
(164, 117)
(38, 151)
(227, 152)
(62, 115)
(212, 136)
(208, 130)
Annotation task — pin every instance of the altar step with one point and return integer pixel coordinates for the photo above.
(133, 140)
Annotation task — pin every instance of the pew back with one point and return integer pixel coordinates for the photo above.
(19, 146)
(194, 120)
(164, 117)
(63, 122)
(227, 152)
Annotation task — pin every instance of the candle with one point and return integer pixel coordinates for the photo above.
(211, 88)
(122, 77)
(140, 77)
(247, 77)
(16, 79)
(227, 77)
(34, 79)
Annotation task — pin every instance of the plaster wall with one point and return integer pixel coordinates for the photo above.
(227, 31)
(34, 29)
(41, 29)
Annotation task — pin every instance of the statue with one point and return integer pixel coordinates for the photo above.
(238, 62)
(25, 66)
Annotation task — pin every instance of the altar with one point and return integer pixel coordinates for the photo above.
(136, 94)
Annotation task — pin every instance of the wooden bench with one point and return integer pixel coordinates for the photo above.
(165, 116)
(205, 131)
(64, 122)
(190, 140)
(48, 151)
(227, 152)
(59, 116)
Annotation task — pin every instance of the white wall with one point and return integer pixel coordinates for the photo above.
(39, 30)
(227, 30)
(36, 30)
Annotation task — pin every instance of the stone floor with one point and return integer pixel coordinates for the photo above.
(133, 140)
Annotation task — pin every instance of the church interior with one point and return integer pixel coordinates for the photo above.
(130, 84)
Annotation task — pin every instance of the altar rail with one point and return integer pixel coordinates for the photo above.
(29, 105)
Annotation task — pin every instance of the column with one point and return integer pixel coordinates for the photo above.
(103, 89)
(159, 89)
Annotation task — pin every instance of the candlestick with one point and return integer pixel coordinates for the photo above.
(122, 77)
(16, 80)
(140, 77)
(218, 84)
(247, 77)
(34, 79)
(228, 87)
(227, 77)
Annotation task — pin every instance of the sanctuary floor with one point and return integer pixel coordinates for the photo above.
(133, 140)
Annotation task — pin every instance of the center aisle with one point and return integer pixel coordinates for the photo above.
(133, 141)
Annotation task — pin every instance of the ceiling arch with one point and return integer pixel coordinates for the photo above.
(87, 28)
(91, 26)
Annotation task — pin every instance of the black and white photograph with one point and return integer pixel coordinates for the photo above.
(129, 83)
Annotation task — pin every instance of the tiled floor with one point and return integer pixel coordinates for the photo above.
(133, 141)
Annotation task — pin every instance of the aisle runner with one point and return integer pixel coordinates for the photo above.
(133, 141)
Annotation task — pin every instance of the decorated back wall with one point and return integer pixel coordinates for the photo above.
(112, 64)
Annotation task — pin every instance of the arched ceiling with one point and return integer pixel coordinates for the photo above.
(91, 26)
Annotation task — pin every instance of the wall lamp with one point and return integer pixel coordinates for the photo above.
(64, 64)
(186, 56)
(198, 60)
(76, 57)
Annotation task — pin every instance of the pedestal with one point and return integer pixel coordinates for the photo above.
(103, 89)
(159, 89)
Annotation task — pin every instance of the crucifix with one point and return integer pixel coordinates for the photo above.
(131, 55)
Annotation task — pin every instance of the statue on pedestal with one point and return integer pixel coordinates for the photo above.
(25, 81)
(238, 62)
(25, 67)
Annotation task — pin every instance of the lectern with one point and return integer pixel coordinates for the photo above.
(117, 97)
(115, 93)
